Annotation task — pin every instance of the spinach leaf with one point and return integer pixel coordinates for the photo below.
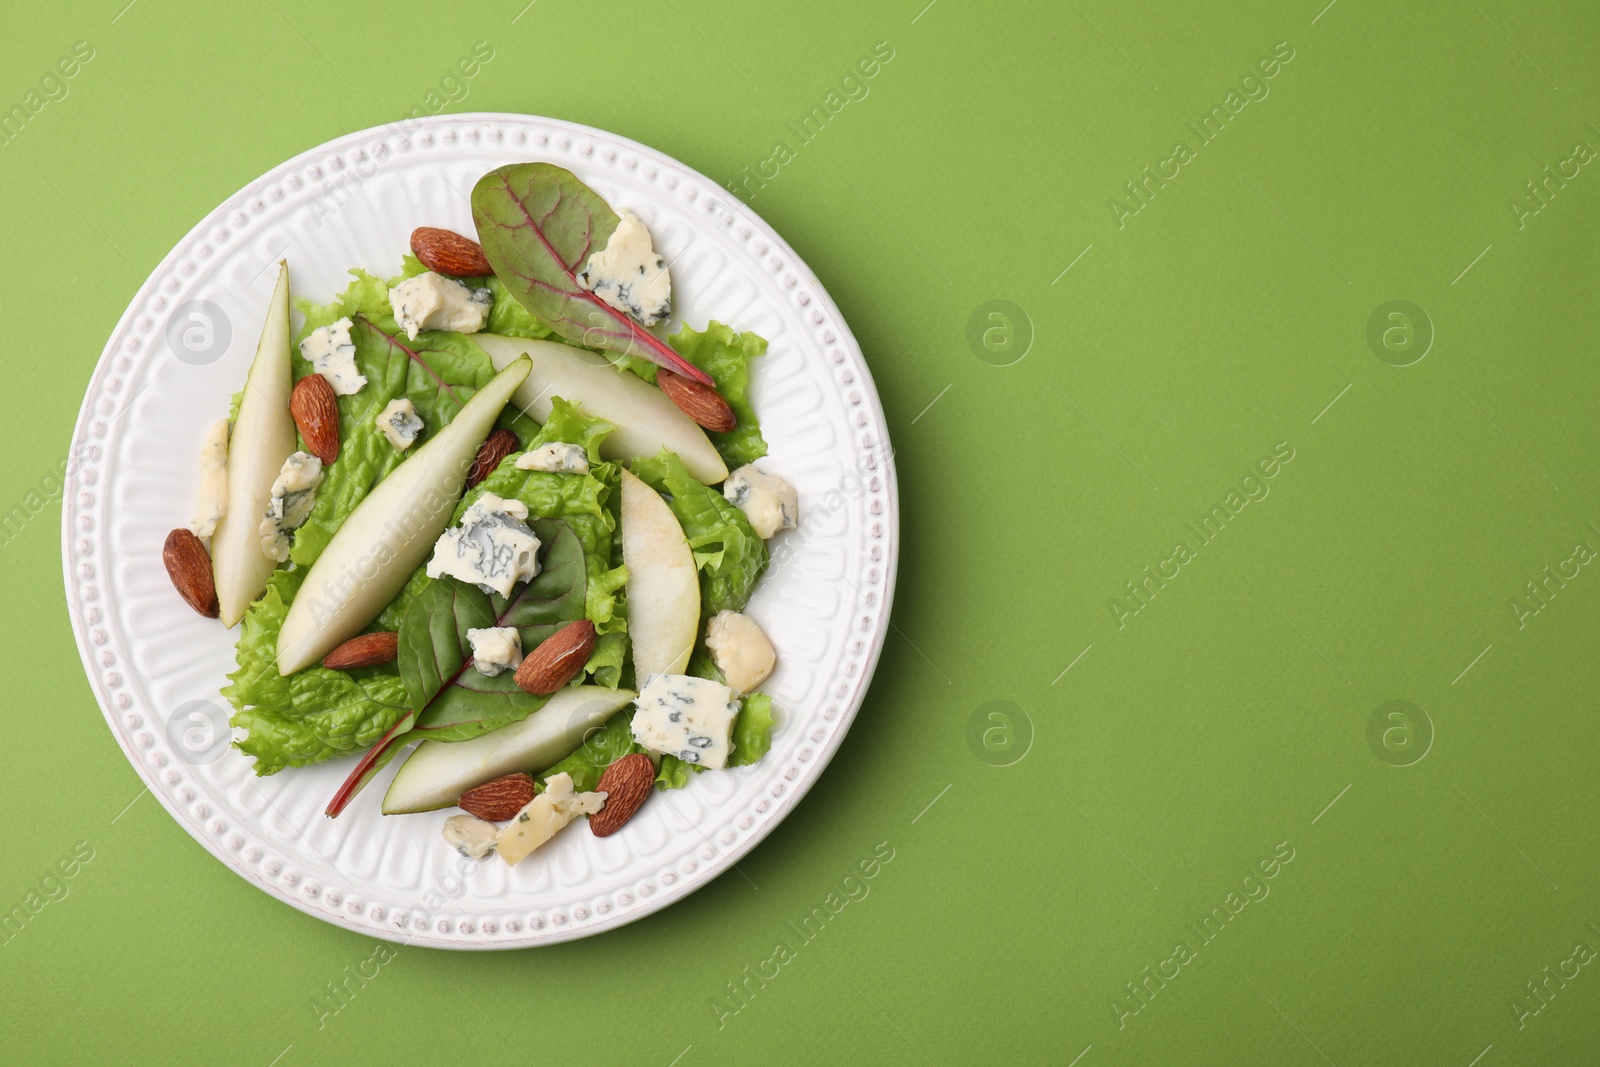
(538, 224)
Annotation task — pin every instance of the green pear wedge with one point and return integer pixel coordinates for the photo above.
(439, 772)
(263, 437)
(646, 420)
(663, 585)
(390, 533)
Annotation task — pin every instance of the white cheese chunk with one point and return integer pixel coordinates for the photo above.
(333, 355)
(213, 501)
(495, 649)
(770, 503)
(691, 718)
(555, 456)
(433, 302)
(628, 275)
(542, 816)
(470, 835)
(399, 422)
(740, 650)
(293, 493)
(492, 548)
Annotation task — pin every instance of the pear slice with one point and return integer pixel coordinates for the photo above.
(263, 437)
(663, 586)
(390, 532)
(646, 420)
(437, 773)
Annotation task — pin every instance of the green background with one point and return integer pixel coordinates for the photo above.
(1226, 719)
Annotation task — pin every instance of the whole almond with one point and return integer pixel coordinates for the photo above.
(366, 650)
(447, 252)
(626, 784)
(495, 448)
(701, 403)
(499, 799)
(316, 413)
(557, 660)
(189, 567)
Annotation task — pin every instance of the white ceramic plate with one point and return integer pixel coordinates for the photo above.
(156, 667)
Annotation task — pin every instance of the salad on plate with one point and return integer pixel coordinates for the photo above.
(481, 516)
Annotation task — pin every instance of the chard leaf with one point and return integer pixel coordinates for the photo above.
(538, 224)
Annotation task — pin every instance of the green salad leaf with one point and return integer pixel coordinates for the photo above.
(366, 295)
(752, 730)
(314, 714)
(726, 356)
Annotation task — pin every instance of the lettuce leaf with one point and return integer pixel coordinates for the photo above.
(726, 356)
(438, 375)
(314, 714)
(752, 730)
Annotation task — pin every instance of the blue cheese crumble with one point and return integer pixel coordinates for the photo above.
(690, 718)
(628, 275)
(495, 649)
(557, 456)
(492, 548)
(333, 355)
(289, 506)
(470, 835)
(770, 503)
(399, 422)
(433, 302)
(213, 501)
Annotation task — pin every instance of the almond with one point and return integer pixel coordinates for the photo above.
(316, 413)
(557, 660)
(499, 799)
(366, 650)
(189, 567)
(447, 252)
(701, 403)
(495, 448)
(626, 784)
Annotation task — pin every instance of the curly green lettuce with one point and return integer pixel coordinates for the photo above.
(726, 356)
(314, 714)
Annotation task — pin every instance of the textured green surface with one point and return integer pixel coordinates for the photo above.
(1227, 716)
